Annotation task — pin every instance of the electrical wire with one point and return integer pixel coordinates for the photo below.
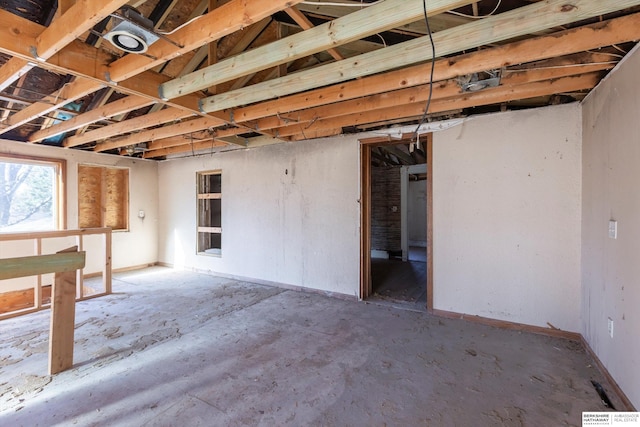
(433, 64)
(476, 17)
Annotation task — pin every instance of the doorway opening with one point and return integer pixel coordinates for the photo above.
(396, 222)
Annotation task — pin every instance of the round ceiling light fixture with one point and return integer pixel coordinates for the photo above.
(127, 39)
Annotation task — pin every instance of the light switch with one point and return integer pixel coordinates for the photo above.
(613, 229)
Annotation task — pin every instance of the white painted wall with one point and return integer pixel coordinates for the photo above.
(290, 214)
(506, 217)
(611, 268)
(136, 247)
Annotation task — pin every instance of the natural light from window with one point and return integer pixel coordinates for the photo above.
(29, 198)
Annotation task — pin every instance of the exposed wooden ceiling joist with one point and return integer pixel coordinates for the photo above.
(593, 36)
(108, 110)
(382, 16)
(493, 29)
(329, 89)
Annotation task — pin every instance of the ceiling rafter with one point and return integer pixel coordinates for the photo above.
(381, 16)
(593, 36)
(228, 18)
(111, 109)
(131, 125)
(444, 89)
(217, 23)
(183, 127)
(466, 100)
(521, 21)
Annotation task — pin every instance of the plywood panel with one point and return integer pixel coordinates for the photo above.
(19, 300)
(89, 196)
(116, 198)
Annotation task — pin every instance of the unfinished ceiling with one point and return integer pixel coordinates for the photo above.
(212, 75)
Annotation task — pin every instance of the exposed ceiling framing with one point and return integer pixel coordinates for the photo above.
(229, 74)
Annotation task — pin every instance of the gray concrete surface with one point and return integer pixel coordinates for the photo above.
(173, 348)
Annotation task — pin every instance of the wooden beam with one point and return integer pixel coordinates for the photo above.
(380, 17)
(153, 119)
(111, 109)
(446, 89)
(213, 48)
(80, 17)
(305, 24)
(86, 61)
(618, 30)
(63, 313)
(517, 22)
(183, 140)
(69, 92)
(469, 99)
(185, 148)
(183, 127)
(12, 70)
(11, 268)
(224, 20)
(58, 35)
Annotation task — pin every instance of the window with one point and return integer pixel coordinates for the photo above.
(210, 213)
(103, 197)
(31, 194)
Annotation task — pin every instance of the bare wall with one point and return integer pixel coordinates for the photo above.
(290, 214)
(611, 267)
(139, 245)
(506, 217)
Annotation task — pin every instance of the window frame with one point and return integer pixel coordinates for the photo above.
(215, 230)
(60, 173)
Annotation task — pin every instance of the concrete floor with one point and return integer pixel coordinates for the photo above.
(176, 348)
(401, 284)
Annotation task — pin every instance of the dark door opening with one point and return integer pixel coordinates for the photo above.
(396, 223)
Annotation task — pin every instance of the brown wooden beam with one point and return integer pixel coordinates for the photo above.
(153, 119)
(181, 128)
(566, 42)
(226, 19)
(517, 22)
(466, 100)
(111, 109)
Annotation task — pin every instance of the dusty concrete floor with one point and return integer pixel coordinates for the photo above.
(184, 349)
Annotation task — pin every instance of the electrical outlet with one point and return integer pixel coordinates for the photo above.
(613, 229)
(610, 326)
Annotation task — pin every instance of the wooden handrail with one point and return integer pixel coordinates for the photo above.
(11, 268)
(55, 233)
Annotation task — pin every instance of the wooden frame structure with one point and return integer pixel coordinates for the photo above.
(37, 239)
(64, 264)
(262, 85)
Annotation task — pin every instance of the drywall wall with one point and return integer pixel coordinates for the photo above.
(290, 214)
(506, 217)
(136, 247)
(610, 267)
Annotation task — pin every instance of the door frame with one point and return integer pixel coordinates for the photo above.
(366, 145)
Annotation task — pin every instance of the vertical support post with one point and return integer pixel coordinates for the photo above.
(80, 272)
(429, 154)
(63, 312)
(365, 221)
(37, 292)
